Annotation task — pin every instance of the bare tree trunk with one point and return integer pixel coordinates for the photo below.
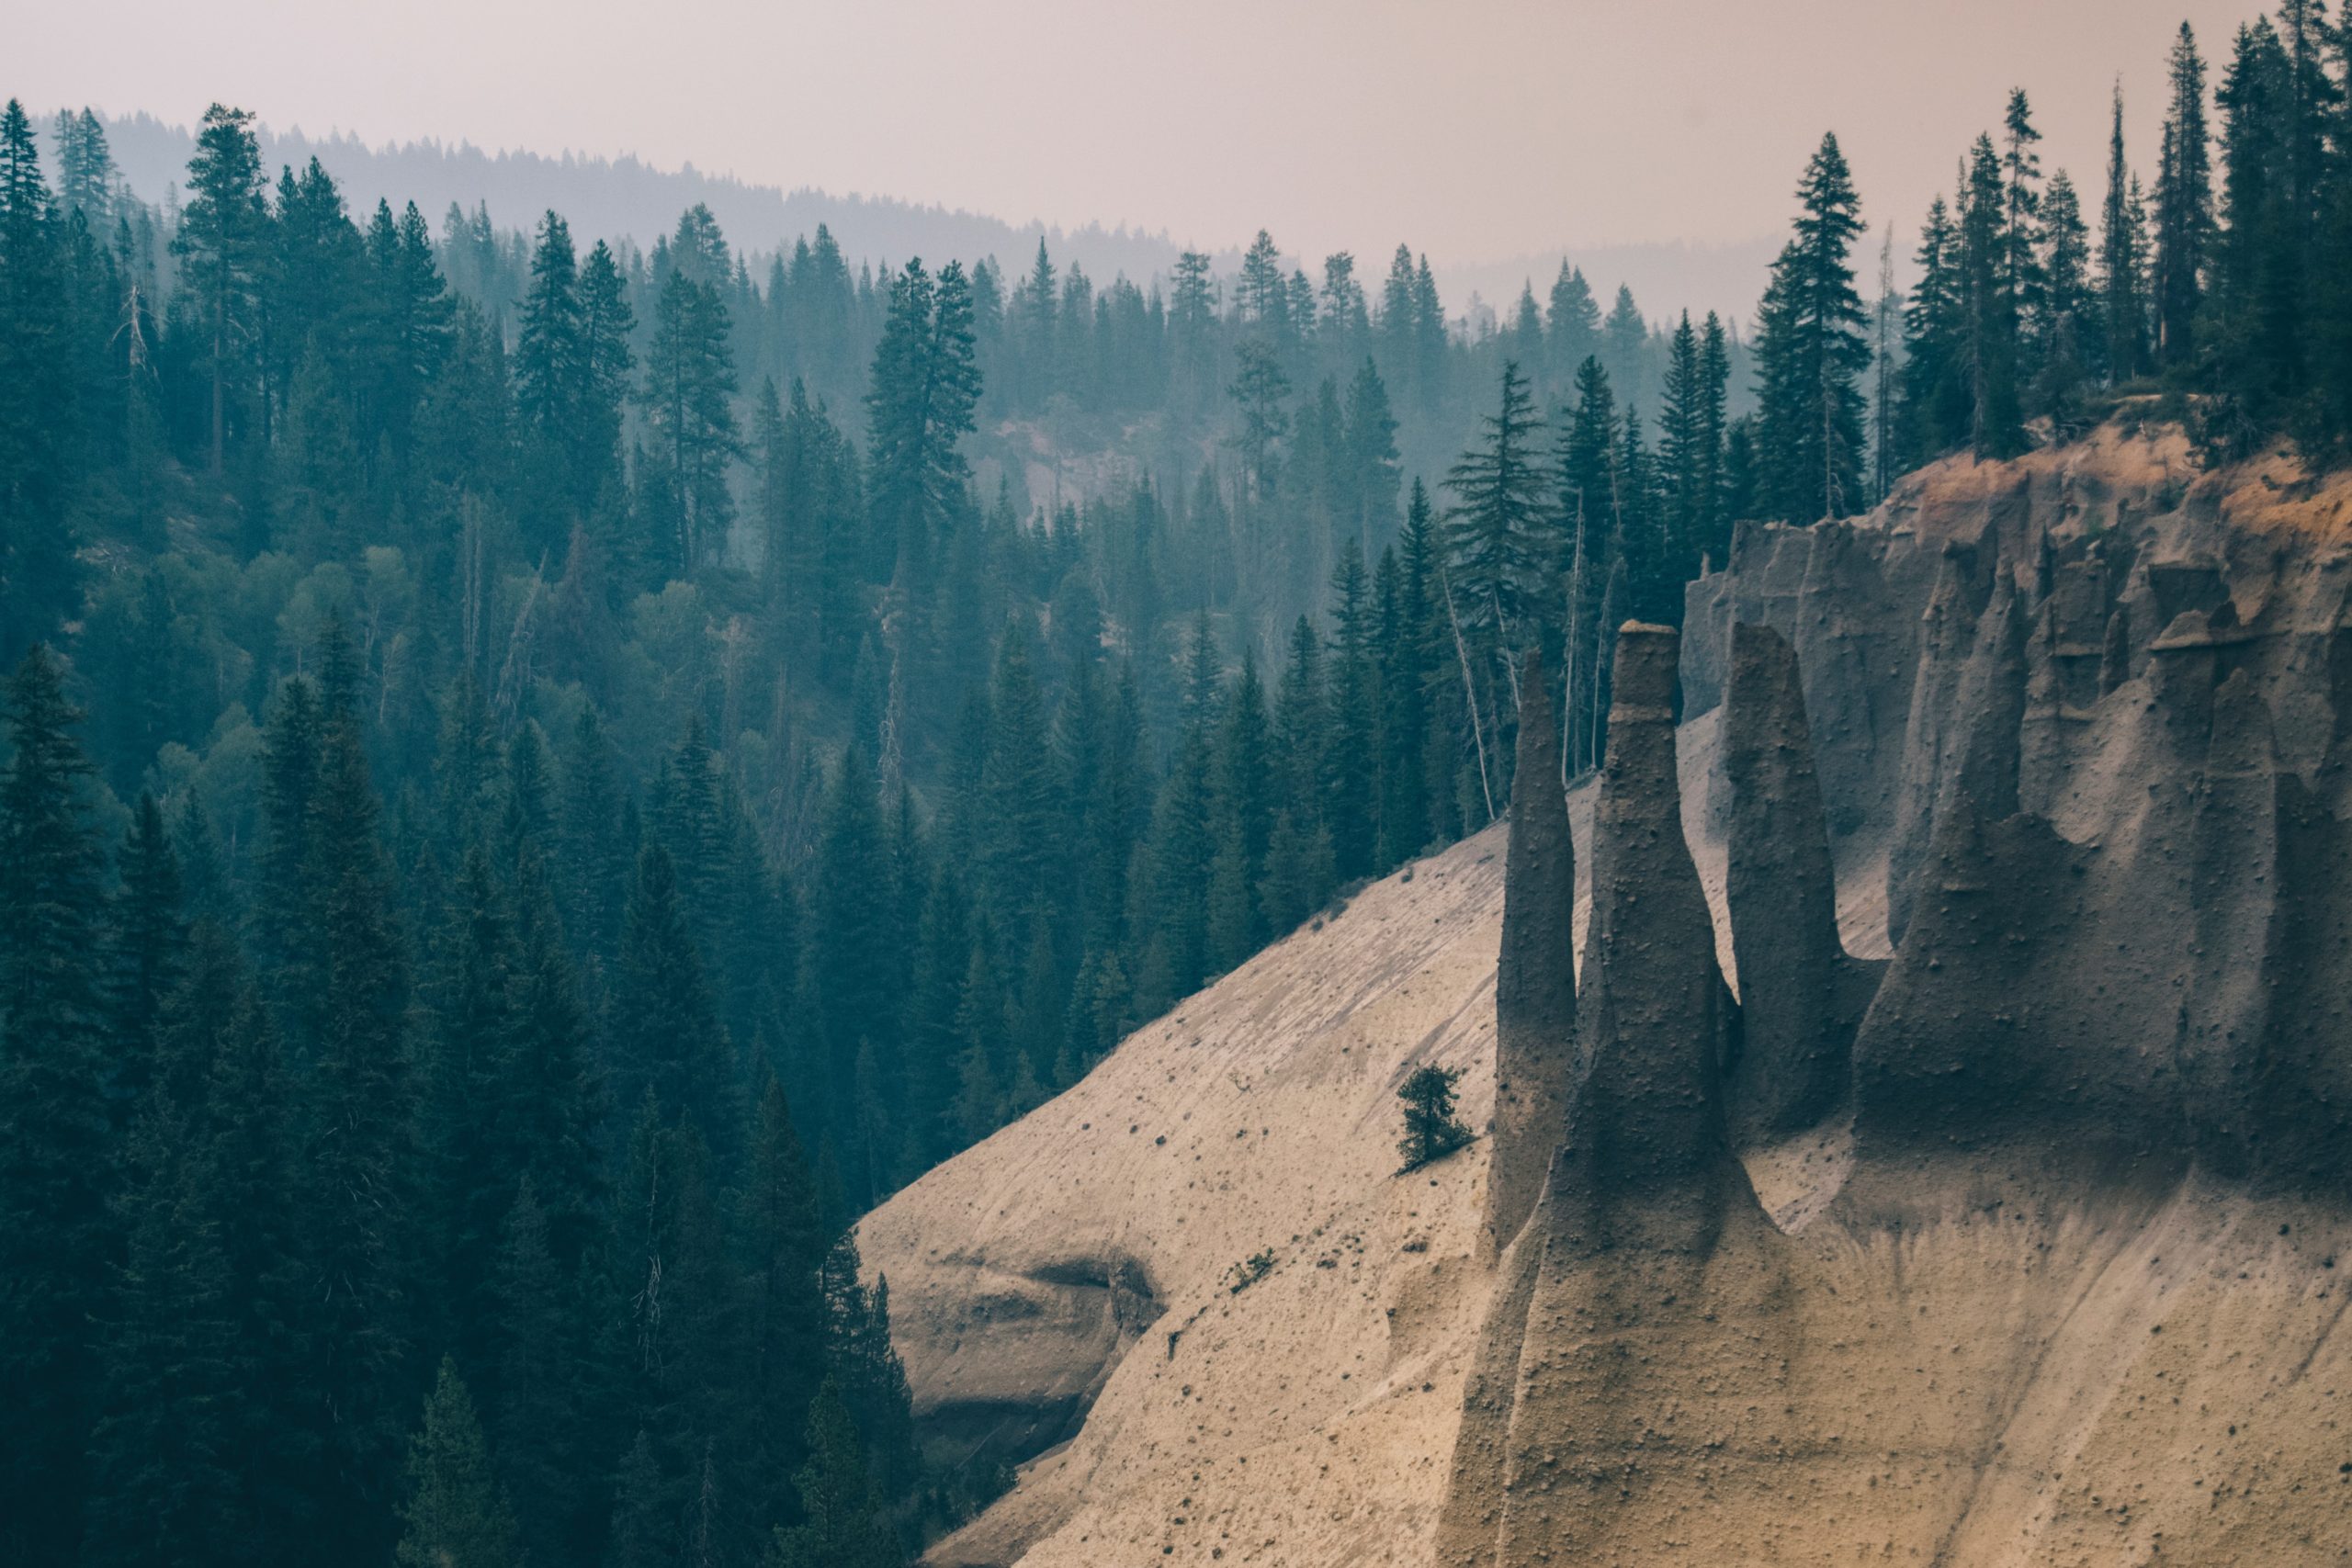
(1470, 691)
(1578, 670)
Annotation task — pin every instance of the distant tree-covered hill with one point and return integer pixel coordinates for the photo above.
(625, 198)
(617, 197)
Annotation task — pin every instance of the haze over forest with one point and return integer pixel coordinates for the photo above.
(576, 738)
(1496, 135)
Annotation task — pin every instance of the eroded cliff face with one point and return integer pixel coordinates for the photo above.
(2049, 1271)
(2000, 1219)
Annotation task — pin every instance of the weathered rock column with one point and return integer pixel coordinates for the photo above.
(1647, 1114)
(1647, 1233)
(1801, 997)
(1535, 983)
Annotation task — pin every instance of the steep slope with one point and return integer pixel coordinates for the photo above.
(1094, 1246)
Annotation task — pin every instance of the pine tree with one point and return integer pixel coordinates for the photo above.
(2021, 277)
(40, 579)
(642, 1535)
(1810, 348)
(1712, 431)
(1258, 388)
(412, 328)
(1654, 578)
(536, 1346)
(472, 1175)
(925, 384)
(842, 1525)
(56, 1234)
(1240, 819)
(688, 397)
(551, 364)
(2123, 264)
(1498, 540)
(281, 934)
(161, 1490)
(663, 1028)
(269, 1441)
(86, 175)
(683, 1297)
(1938, 391)
(1624, 347)
(1019, 805)
(784, 1249)
(607, 322)
(1351, 813)
(148, 941)
(593, 863)
(853, 933)
(362, 1162)
(983, 1048)
(1172, 954)
(1886, 342)
(1432, 1129)
(1585, 467)
(1690, 432)
(872, 1381)
(222, 233)
(1571, 325)
(1989, 307)
(2261, 254)
(1375, 474)
(2184, 198)
(456, 1514)
(1404, 632)
(1428, 334)
(2072, 335)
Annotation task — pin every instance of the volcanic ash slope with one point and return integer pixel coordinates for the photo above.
(1096, 1245)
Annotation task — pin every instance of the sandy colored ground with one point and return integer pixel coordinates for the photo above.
(1306, 1417)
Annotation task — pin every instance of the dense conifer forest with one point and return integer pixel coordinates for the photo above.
(542, 780)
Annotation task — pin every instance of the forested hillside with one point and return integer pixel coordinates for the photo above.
(543, 781)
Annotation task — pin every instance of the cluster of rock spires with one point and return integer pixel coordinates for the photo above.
(2104, 772)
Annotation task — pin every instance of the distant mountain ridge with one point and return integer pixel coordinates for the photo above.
(625, 197)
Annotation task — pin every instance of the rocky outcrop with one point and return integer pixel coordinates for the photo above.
(2024, 1244)
(2089, 1130)
(1801, 996)
(1637, 1241)
(1535, 983)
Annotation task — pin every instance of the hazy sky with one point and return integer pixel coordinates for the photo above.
(1479, 129)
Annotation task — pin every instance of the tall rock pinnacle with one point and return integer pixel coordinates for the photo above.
(1535, 986)
(1801, 996)
(1647, 1230)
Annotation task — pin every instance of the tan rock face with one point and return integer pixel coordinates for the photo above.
(2039, 1258)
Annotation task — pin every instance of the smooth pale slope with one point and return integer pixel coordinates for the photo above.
(1308, 1418)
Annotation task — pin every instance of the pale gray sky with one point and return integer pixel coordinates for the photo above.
(1479, 130)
